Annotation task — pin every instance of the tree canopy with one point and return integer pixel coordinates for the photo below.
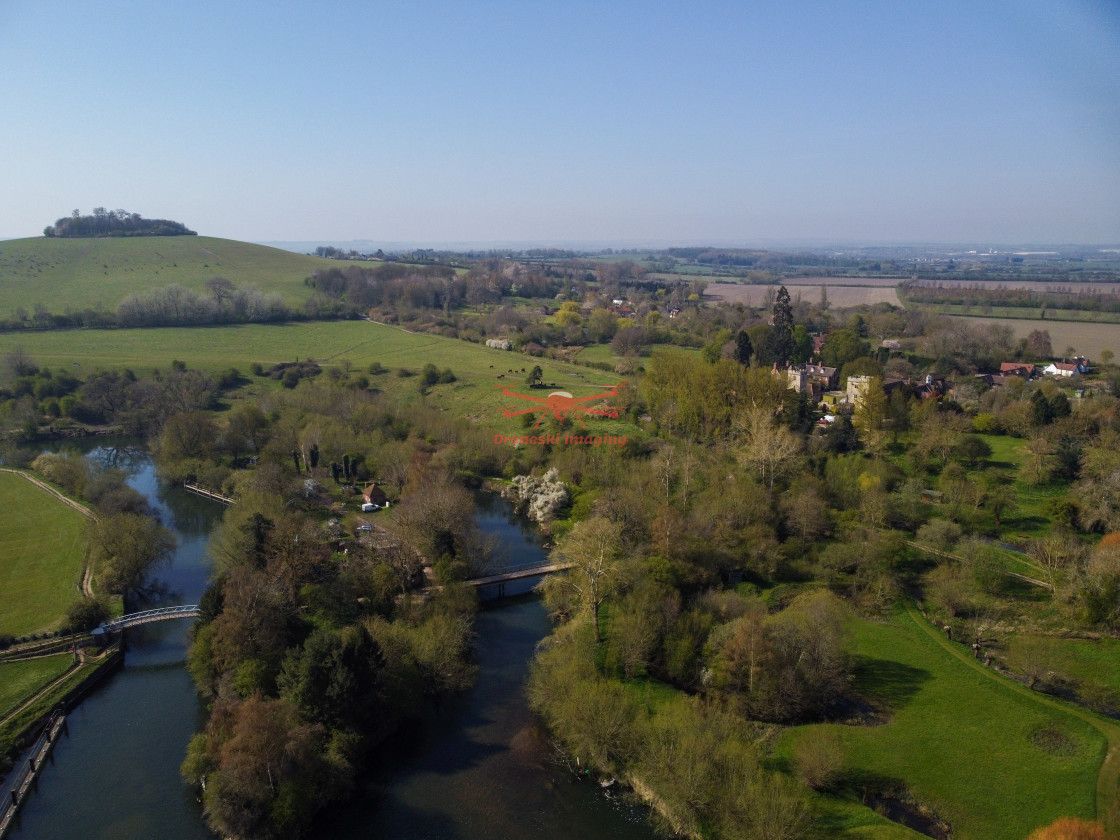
(104, 222)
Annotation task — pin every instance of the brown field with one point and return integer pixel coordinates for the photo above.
(840, 294)
(1087, 339)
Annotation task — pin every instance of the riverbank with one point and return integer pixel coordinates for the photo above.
(38, 722)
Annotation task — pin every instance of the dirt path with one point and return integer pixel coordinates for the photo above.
(941, 553)
(87, 572)
(1108, 777)
(41, 692)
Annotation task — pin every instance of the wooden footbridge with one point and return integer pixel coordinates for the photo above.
(207, 493)
(515, 581)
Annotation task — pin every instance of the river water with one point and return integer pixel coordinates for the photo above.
(478, 769)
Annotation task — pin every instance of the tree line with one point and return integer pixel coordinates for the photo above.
(960, 294)
(169, 306)
(102, 223)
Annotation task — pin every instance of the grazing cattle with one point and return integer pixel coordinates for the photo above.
(491, 367)
(501, 376)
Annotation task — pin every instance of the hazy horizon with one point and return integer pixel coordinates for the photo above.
(707, 122)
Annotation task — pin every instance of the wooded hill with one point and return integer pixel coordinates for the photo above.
(115, 223)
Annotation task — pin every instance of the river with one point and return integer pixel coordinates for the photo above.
(478, 769)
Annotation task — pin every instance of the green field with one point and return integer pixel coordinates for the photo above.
(1085, 660)
(74, 274)
(341, 343)
(992, 758)
(32, 679)
(43, 555)
(20, 680)
(598, 353)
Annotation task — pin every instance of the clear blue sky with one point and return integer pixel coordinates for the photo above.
(984, 121)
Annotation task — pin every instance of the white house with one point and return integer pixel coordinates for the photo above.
(1067, 368)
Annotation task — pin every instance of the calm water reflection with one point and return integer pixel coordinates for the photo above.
(478, 769)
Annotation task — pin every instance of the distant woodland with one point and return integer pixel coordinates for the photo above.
(113, 223)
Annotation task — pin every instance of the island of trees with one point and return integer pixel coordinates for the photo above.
(104, 222)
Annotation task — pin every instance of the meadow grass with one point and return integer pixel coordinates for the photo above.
(11, 730)
(476, 395)
(1085, 660)
(598, 353)
(20, 680)
(76, 274)
(988, 756)
(1030, 516)
(43, 550)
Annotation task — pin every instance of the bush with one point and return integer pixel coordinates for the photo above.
(819, 758)
(986, 424)
(230, 378)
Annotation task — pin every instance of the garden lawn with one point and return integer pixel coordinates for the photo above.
(991, 758)
(42, 551)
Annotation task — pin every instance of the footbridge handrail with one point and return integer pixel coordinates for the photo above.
(148, 616)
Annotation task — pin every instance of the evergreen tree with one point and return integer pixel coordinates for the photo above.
(743, 348)
(780, 338)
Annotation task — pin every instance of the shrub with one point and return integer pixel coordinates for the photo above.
(819, 758)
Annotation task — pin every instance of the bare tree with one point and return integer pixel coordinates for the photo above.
(221, 288)
(594, 547)
(1056, 552)
(769, 448)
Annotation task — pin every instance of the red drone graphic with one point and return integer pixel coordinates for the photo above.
(562, 404)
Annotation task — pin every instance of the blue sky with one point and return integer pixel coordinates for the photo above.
(977, 121)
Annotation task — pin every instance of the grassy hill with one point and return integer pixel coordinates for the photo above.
(77, 274)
